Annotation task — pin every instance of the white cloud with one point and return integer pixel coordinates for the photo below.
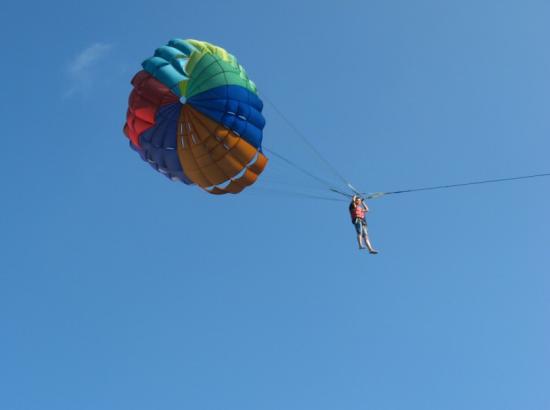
(80, 69)
(88, 57)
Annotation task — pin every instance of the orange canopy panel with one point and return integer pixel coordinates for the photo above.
(214, 157)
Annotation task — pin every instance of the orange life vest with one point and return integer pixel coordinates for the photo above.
(357, 212)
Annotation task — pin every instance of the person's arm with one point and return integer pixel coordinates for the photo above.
(365, 207)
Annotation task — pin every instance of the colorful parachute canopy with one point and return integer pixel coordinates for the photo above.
(196, 117)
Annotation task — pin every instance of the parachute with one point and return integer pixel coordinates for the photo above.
(196, 117)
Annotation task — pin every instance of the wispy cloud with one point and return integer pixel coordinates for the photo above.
(81, 68)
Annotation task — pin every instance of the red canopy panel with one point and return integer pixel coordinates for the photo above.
(145, 100)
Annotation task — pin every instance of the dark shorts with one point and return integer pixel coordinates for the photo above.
(360, 226)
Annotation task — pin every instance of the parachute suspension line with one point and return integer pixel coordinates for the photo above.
(433, 188)
(343, 193)
(297, 194)
(322, 181)
(308, 144)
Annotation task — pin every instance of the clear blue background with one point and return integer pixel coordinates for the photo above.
(122, 290)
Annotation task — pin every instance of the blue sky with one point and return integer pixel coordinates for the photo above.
(122, 290)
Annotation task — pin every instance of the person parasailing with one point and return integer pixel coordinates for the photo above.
(358, 210)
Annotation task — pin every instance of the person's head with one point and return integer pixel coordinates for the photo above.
(356, 199)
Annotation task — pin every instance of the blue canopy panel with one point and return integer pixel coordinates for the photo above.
(183, 46)
(236, 108)
(168, 64)
(159, 144)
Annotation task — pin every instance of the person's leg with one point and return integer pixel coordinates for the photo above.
(367, 240)
(358, 229)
